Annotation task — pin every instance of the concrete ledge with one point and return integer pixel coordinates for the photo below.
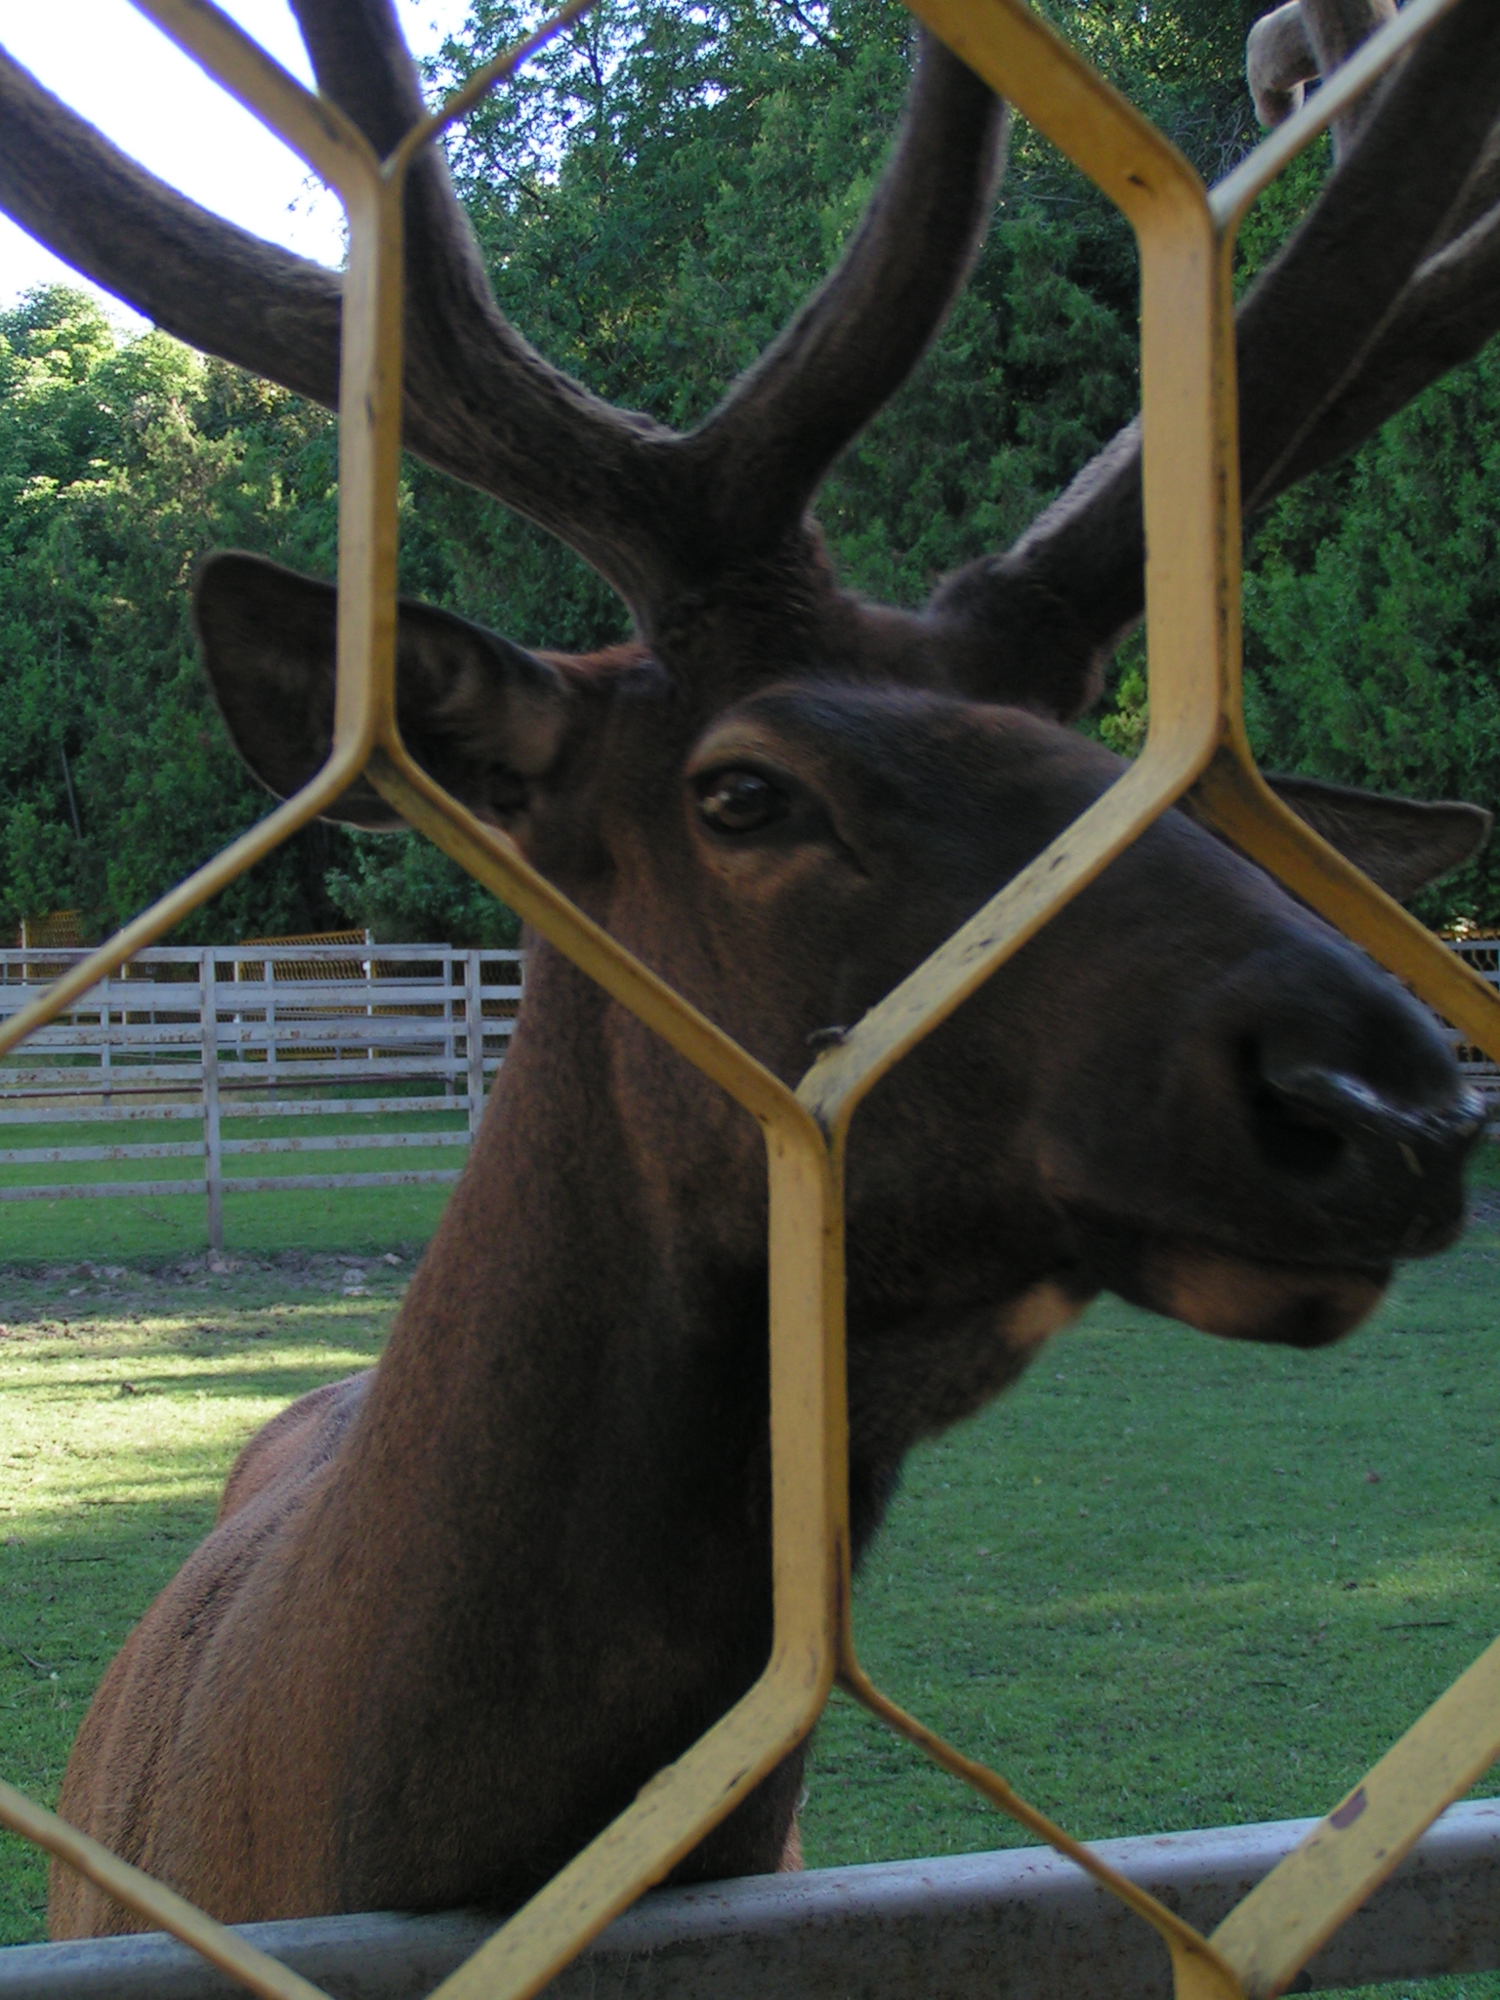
(1020, 1924)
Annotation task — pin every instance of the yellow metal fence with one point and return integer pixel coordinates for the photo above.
(1197, 741)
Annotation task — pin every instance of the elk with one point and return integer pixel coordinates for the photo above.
(459, 1609)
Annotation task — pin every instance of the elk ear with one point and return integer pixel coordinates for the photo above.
(484, 717)
(1401, 844)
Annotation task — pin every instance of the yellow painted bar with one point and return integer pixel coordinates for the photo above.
(336, 776)
(312, 126)
(809, 1481)
(1190, 463)
(482, 82)
(256, 1970)
(1199, 1970)
(1234, 795)
(1192, 523)
(809, 1468)
(1232, 197)
(1301, 1903)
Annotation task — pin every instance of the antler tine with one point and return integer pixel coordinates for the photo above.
(1480, 195)
(1279, 60)
(1302, 41)
(479, 402)
(1329, 296)
(757, 460)
(211, 284)
(1311, 333)
(361, 61)
(1335, 29)
(655, 514)
(571, 462)
(1447, 313)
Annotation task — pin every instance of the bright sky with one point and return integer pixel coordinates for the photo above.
(111, 65)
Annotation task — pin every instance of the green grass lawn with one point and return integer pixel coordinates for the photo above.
(1168, 1582)
(157, 1226)
(124, 1402)
(164, 1226)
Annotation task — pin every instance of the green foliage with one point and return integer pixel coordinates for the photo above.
(119, 464)
(1279, 210)
(662, 189)
(1372, 623)
(1373, 618)
(654, 196)
(1170, 1581)
(400, 887)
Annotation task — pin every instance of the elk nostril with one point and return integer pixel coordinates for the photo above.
(1318, 1122)
(1297, 1130)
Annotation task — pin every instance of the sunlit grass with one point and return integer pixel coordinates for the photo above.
(1172, 1582)
(119, 1419)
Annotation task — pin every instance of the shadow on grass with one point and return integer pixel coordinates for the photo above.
(1166, 1583)
(270, 1381)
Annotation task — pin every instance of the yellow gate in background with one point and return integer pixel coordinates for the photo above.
(1197, 740)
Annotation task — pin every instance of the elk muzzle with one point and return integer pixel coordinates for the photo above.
(1311, 1127)
(1385, 1169)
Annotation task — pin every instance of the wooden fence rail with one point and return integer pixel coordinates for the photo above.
(1483, 956)
(200, 1035)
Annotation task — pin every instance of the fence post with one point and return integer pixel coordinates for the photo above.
(474, 1027)
(450, 1040)
(105, 1063)
(212, 1159)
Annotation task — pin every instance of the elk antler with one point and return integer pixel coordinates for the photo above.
(655, 513)
(480, 403)
(1302, 41)
(1279, 60)
(1370, 300)
(760, 457)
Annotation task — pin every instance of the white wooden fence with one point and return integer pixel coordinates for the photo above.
(1483, 955)
(195, 1035)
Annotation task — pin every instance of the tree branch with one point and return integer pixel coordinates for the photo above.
(1448, 313)
(1335, 29)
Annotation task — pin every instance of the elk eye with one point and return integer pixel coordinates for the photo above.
(739, 801)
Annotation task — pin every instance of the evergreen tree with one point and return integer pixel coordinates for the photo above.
(121, 463)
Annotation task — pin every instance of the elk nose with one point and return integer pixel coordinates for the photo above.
(1380, 1160)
